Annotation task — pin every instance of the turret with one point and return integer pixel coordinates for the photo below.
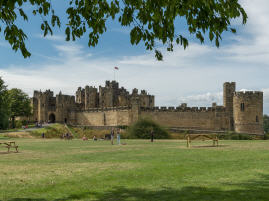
(228, 92)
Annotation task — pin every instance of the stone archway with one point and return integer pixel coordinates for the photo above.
(52, 118)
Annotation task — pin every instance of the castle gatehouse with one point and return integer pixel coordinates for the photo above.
(113, 106)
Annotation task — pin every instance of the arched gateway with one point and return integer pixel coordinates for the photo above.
(52, 118)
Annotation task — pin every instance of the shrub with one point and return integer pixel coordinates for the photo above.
(235, 136)
(24, 122)
(266, 136)
(18, 124)
(55, 131)
(122, 127)
(141, 129)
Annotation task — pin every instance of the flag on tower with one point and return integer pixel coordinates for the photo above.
(116, 68)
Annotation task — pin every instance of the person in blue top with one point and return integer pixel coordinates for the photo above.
(118, 136)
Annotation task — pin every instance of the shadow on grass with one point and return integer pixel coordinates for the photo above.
(250, 191)
(10, 152)
(208, 146)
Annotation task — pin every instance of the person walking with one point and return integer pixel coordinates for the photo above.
(118, 136)
(112, 135)
(151, 135)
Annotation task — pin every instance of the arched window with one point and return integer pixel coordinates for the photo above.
(242, 107)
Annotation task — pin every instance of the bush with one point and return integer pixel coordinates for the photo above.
(141, 129)
(55, 131)
(124, 127)
(24, 122)
(235, 136)
(266, 136)
(79, 132)
(18, 124)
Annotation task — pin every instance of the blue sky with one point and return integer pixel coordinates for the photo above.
(195, 75)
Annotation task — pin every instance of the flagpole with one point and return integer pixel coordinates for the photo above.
(115, 68)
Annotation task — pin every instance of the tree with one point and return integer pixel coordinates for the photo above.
(152, 21)
(19, 104)
(266, 123)
(4, 106)
(142, 128)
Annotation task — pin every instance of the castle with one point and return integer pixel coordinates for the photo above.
(110, 105)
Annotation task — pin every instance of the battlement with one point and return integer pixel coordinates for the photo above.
(65, 98)
(105, 109)
(39, 94)
(112, 84)
(229, 83)
(185, 109)
(143, 92)
(252, 94)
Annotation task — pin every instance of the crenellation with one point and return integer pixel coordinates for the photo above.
(114, 105)
(247, 94)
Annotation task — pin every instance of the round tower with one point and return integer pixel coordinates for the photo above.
(248, 112)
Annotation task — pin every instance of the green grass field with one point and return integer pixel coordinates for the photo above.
(53, 169)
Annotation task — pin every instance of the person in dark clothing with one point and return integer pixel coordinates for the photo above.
(112, 135)
(43, 135)
(151, 135)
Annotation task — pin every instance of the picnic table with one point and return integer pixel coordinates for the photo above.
(191, 137)
(10, 144)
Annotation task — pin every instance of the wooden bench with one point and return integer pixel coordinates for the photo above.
(213, 137)
(9, 145)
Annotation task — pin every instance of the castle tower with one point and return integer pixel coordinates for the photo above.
(91, 97)
(248, 112)
(108, 95)
(80, 96)
(43, 105)
(135, 109)
(228, 93)
(64, 104)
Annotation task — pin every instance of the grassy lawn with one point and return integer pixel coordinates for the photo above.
(53, 169)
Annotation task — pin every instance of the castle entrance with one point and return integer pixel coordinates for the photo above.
(52, 118)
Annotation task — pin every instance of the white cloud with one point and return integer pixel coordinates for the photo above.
(194, 76)
(54, 37)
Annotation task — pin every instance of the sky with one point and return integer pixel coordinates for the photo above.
(194, 76)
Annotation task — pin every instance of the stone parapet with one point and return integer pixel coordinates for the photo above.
(185, 109)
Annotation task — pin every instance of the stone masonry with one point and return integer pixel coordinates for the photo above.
(112, 105)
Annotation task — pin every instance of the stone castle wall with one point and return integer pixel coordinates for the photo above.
(112, 106)
(101, 117)
(189, 118)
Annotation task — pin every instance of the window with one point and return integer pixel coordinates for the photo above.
(257, 119)
(242, 107)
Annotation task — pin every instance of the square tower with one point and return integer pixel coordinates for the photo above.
(228, 93)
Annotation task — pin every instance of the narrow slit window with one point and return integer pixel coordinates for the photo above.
(257, 119)
(242, 107)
